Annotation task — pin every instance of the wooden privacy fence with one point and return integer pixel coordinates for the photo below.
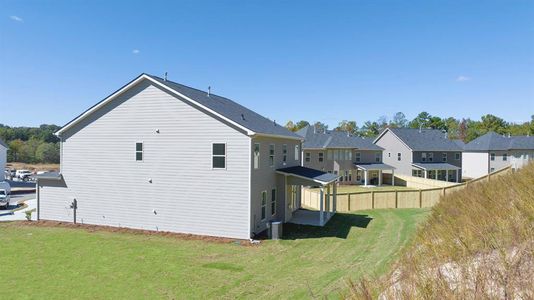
(392, 199)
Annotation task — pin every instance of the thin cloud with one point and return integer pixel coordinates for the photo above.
(136, 51)
(15, 18)
(462, 78)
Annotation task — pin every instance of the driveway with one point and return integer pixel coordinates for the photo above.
(10, 215)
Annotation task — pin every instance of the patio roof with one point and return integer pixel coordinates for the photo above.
(309, 174)
(378, 166)
(435, 166)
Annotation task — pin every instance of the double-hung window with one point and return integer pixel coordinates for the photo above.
(444, 157)
(423, 157)
(321, 156)
(399, 156)
(358, 156)
(139, 151)
(457, 156)
(307, 156)
(492, 156)
(505, 156)
(218, 155)
(297, 152)
(377, 157)
(271, 155)
(284, 153)
(256, 155)
(273, 202)
(263, 204)
(430, 157)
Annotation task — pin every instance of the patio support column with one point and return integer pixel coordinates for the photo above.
(379, 177)
(426, 173)
(328, 198)
(447, 175)
(321, 207)
(365, 176)
(457, 177)
(436, 174)
(335, 198)
(392, 177)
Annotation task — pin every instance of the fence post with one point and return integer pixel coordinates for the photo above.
(420, 198)
(443, 192)
(396, 199)
(348, 203)
(373, 200)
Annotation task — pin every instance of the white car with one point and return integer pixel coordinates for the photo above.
(23, 174)
(5, 194)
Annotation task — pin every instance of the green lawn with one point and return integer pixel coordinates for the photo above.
(66, 263)
(360, 188)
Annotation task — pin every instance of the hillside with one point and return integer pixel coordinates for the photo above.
(477, 243)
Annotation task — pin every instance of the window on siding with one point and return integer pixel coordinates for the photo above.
(263, 204)
(297, 151)
(284, 152)
(492, 156)
(457, 156)
(358, 157)
(273, 202)
(271, 155)
(399, 156)
(256, 155)
(218, 156)
(389, 154)
(492, 170)
(307, 156)
(444, 157)
(430, 156)
(505, 156)
(321, 156)
(423, 157)
(377, 157)
(138, 151)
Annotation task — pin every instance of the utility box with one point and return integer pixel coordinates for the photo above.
(276, 230)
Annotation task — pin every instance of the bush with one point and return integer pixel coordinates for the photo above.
(28, 215)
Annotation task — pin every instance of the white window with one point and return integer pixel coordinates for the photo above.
(430, 156)
(417, 173)
(321, 156)
(256, 155)
(358, 157)
(263, 204)
(389, 154)
(271, 155)
(492, 156)
(423, 157)
(505, 156)
(273, 202)
(399, 156)
(377, 157)
(444, 157)
(358, 175)
(492, 170)
(297, 151)
(307, 156)
(347, 175)
(139, 151)
(284, 153)
(457, 156)
(218, 155)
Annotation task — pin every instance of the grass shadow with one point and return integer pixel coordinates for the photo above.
(339, 226)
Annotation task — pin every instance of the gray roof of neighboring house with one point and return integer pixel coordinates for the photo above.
(426, 139)
(435, 166)
(230, 109)
(3, 144)
(334, 139)
(460, 143)
(374, 166)
(494, 141)
(308, 173)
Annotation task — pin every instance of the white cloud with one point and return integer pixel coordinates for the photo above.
(463, 78)
(136, 51)
(15, 18)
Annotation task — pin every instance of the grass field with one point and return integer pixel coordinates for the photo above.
(66, 263)
(33, 167)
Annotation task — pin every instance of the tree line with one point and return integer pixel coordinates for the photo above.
(31, 144)
(463, 129)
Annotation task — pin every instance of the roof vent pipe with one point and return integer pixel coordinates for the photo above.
(209, 91)
(243, 117)
(314, 129)
(420, 128)
(165, 77)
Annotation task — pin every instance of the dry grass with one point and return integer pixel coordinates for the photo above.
(33, 167)
(477, 244)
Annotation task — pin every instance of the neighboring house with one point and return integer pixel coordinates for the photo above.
(427, 153)
(3, 158)
(493, 151)
(357, 160)
(159, 155)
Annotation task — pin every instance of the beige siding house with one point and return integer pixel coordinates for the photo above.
(159, 155)
(427, 153)
(492, 152)
(356, 160)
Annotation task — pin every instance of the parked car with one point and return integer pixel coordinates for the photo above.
(23, 174)
(5, 194)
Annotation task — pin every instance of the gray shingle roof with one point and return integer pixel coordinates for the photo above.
(426, 139)
(435, 166)
(3, 144)
(494, 141)
(374, 166)
(311, 174)
(230, 109)
(334, 139)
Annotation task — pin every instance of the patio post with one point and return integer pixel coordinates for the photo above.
(379, 177)
(365, 176)
(321, 207)
(436, 174)
(392, 177)
(335, 198)
(328, 198)
(457, 177)
(426, 174)
(447, 175)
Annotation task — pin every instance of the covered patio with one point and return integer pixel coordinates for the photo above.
(439, 171)
(378, 167)
(302, 176)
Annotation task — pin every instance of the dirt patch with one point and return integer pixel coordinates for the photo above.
(101, 228)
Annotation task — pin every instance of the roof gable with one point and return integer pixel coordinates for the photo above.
(235, 114)
(423, 139)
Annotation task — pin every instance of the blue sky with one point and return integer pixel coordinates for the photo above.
(314, 60)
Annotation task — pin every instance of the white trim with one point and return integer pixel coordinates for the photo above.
(307, 178)
(274, 155)
(276, 136)
(261, 205)
(254, 155)
(218, 155)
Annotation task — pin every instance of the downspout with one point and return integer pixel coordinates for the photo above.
(38, 199)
